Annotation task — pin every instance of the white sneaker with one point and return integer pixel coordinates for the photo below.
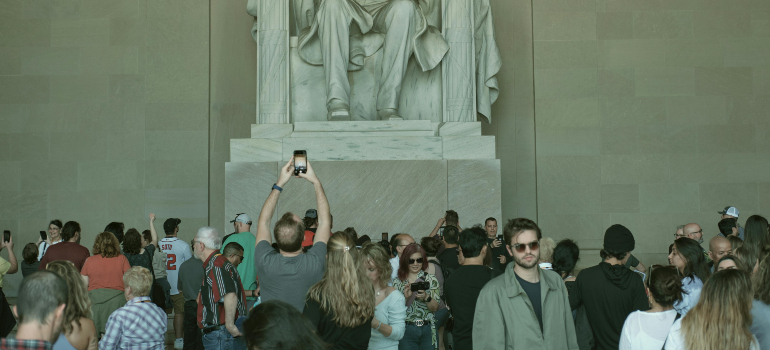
(179, 344)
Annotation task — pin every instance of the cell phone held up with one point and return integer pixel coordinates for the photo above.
(6, 236)
(420, 286)
(43, 235)
(300, 162)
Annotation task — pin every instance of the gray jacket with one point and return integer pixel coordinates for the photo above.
(505, 318)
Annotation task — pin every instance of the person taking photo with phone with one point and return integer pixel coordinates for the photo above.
(421, 291)
(7, 267)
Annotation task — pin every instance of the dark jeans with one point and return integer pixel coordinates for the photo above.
(192, 334)
(416, 338)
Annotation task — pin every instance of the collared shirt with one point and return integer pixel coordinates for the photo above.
(16, 344)
(140, 324)
(220, 279)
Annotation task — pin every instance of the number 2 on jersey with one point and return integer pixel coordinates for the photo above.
(171, 262)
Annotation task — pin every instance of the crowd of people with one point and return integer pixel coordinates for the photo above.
(459, 288)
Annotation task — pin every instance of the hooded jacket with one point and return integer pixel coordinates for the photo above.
(505, 318)
(609, 293)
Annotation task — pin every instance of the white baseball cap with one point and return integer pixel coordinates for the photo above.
(729, 211)
(242, 218)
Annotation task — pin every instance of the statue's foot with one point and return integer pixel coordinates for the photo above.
(338, 115)
(389, 114)
(338, 111)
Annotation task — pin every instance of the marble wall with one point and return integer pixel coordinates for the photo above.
(103, 115)
(650, 114)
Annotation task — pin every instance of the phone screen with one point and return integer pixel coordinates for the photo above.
(42, 235)
(6, 236)
(300, 162)
(384, 236)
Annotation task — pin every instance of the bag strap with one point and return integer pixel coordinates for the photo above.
(678, 316)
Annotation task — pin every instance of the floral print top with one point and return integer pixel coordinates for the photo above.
(419, 310)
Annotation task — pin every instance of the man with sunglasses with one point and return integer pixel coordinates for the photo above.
(244, 238)
(526, 307)
(610, 291)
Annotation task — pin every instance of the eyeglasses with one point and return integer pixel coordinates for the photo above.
(520, 247)
(418, 260)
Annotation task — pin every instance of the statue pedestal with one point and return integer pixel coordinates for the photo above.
(379, 176)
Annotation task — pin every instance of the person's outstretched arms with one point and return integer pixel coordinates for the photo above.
(324, 230)
(263, 223)
(153, 233)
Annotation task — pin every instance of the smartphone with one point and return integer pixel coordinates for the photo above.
(385, 236)
(42, 235)
(500, 238)
(6, 236)
(300, 162)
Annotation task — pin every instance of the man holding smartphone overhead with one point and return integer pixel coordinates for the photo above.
(177, 252)
(287, 274)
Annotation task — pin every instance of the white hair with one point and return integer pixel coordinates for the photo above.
(209, 237)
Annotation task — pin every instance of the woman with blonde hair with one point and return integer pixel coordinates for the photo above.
(77, 330)
(103, 272)
(390, 310)
(721, 319)
(341, 305)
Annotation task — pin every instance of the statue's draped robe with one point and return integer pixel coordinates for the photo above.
(428, 44)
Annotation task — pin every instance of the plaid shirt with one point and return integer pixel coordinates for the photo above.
(138, 325)
(220, 279)
(15, 344)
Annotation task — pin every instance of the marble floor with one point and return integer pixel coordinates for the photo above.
(169, 333)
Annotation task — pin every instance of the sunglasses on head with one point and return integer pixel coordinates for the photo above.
(418, 260)
(520, 247)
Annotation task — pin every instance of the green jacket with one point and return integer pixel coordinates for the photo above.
(505, 318)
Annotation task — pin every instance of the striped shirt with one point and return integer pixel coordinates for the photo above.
(139, 324)
(220, 279)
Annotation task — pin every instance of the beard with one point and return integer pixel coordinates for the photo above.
(527, 265)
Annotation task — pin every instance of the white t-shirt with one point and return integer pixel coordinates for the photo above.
(177, 251)
(646, 330)
(675, 340)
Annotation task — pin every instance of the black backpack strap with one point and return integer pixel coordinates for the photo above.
(678, 316)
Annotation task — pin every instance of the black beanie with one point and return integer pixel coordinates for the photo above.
(619, 239)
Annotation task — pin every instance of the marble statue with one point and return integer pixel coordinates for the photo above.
(339, 34)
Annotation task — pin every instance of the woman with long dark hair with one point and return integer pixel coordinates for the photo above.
(422, 303)
(756, 234)
(275, 325)
(760, 310)
(721, 319)
(647, 330)
(687, 256)
(341, 305)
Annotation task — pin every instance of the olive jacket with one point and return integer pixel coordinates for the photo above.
(505, 318)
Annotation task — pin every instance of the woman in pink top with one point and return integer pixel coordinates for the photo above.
(103, 272)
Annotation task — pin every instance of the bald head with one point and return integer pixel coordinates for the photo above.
(402, 241)
(719, 247)
(694, 231)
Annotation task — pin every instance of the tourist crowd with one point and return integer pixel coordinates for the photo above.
(300, 286)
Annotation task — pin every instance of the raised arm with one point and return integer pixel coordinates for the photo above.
(14, 266)
(263, 223)
(438, 226)
(153, 233)
(324, 230)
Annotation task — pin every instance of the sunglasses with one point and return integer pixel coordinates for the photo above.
(418, 260)
(520, 247)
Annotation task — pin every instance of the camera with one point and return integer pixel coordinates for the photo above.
(420, 286)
